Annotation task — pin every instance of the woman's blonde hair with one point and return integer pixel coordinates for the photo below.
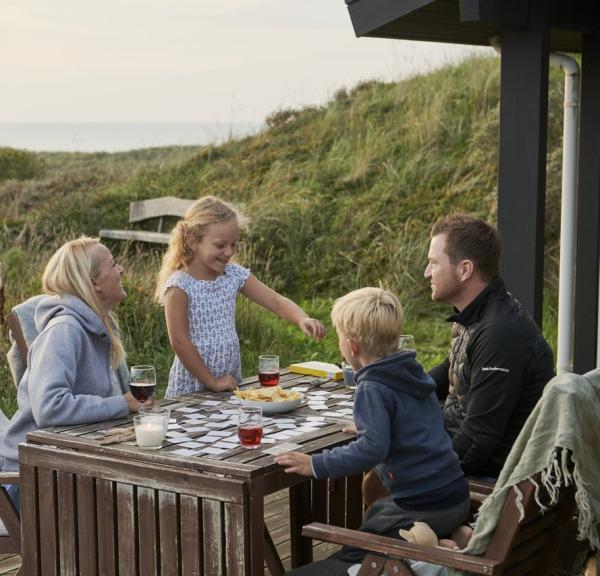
(371, 316)
(199, 216)
(71, 270)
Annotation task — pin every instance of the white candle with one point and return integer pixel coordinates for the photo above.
(149, 433)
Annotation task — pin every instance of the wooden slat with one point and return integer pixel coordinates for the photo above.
(156, 207)
(131, 471)
(255, 524)
(86, 520)
(127, 529)
(319, 500)
(135, 235)
(168, 522)
(67, 523)
(29, 520)
(337, 502)
(12, 320)
(148, 541)
(191, 536)
(212, 521)
(48, 517)
(301, 548)
(236, 542)
(354, 501)
(107, 540)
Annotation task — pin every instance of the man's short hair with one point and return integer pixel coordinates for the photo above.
(470, 238)
(371, 316)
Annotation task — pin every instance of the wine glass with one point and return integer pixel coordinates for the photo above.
(142, 382)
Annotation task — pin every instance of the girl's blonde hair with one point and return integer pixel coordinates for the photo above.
(371, 316)
(71, 270)
(199, 216)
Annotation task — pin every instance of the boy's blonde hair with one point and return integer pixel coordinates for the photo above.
(199, 216)
(371, 316)
(70, 270)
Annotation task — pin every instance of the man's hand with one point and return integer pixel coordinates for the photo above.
(295, 463)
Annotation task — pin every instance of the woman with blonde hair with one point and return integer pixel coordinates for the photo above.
(68, 378)
(198, 285)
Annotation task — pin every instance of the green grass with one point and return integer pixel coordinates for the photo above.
(338, 197)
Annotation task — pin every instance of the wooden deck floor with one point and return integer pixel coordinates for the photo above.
(276, 516)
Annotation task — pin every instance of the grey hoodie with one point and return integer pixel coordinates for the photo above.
(68, 379)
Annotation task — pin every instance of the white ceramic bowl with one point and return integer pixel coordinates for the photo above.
(273, 407)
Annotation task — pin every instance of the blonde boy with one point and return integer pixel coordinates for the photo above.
(399, 425)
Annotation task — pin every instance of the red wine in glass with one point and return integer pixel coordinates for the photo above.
(269, 378)
(142, 391)
(250, 437)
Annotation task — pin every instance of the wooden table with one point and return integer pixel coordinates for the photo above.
(103, 510)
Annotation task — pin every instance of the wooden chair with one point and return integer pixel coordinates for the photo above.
(155, 208)
(22, 332)
(517, 548)
(10, 523)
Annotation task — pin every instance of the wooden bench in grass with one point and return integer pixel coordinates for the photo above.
(155, 208)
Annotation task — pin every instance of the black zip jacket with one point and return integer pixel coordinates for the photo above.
(493, 376)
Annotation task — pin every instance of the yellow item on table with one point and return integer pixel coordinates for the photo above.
(321, 369)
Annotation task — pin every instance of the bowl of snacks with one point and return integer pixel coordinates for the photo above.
(272, 400)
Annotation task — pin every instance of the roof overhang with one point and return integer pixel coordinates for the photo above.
(471, 21)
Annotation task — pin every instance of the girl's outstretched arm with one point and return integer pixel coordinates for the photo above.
(176, 315)
(282, 306)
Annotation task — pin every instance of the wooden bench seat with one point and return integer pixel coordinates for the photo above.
(155, 208)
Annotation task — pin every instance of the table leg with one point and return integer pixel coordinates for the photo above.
(300, 507)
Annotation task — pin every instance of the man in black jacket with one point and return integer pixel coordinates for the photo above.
(498, 362)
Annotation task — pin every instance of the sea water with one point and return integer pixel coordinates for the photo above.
(117, 136)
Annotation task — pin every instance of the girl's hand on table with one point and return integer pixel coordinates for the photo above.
(312, 327)
(223, 383)
(295, 463)
(132, 403)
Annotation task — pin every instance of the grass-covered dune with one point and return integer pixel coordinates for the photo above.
(338, 197)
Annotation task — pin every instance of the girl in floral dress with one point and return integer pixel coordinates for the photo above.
(198, 287)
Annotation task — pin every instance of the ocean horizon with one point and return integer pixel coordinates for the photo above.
(118, 136)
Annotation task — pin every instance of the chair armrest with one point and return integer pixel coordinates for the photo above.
(394, 548)
(9, 477)
(480, 486)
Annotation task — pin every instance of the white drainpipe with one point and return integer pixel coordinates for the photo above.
(568, 213)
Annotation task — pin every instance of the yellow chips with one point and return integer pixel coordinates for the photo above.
(275, 394)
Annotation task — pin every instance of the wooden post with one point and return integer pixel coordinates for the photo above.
(522, 159)
(588, 211)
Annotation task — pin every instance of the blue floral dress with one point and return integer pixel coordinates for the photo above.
(211, 317)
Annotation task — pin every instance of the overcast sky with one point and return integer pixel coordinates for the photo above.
(187, 60)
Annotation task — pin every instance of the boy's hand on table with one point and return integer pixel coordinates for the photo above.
(312, 327)
(351, 429)
(295, 463)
